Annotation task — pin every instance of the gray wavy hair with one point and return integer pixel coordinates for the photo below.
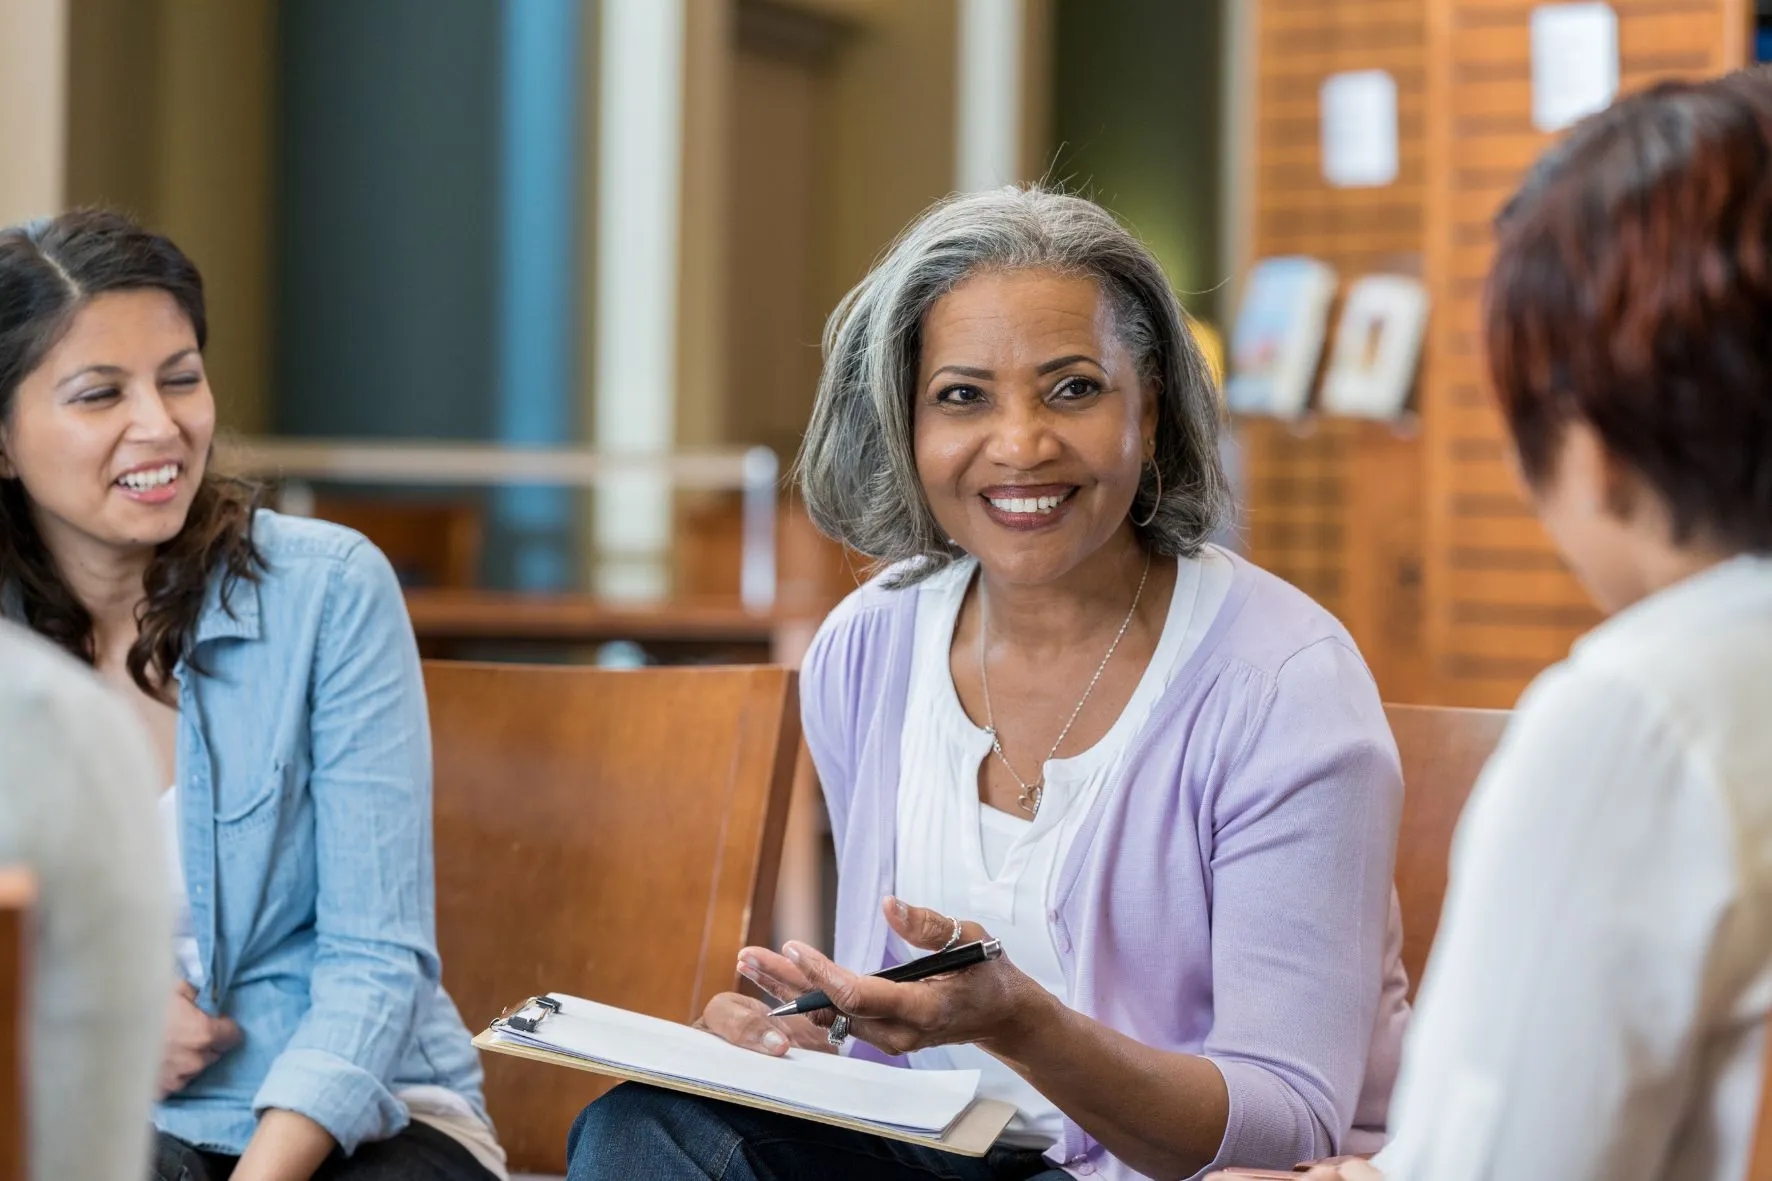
(857, 469)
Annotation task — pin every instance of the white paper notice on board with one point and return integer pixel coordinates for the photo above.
(1574, 62)
(1359, 129)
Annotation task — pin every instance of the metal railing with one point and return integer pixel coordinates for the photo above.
(753, 471)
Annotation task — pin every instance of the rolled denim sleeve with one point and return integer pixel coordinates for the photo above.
(375, 919)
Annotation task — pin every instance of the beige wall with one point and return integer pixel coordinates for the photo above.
(836, 128)
(888, 126)
(1037, 46)
(832, 131)
(702, 359)
(32, 114)
(170, 118)
(773, 310)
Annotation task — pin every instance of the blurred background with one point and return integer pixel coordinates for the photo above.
(531, 290)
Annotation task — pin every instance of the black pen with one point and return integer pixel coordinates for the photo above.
(951, 960)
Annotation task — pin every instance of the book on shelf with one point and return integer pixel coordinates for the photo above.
(1377, 347)
(1277, 342)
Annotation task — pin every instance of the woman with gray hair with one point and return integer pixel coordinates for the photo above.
(1060, 718)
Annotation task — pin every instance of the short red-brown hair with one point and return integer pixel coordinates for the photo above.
(1632, 290)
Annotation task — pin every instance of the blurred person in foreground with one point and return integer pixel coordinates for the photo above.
(1061, 718)
(76, 797)
(273, 664)
(1598, 990)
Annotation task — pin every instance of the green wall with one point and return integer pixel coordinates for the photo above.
(1136, 124)
(388, 261)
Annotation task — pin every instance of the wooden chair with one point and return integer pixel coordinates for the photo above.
(18, 893)
(1442, 751)
(431, 543)
(612, 834)
(813, 573)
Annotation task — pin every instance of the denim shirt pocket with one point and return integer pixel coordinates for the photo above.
(264, 877)
(250, 807)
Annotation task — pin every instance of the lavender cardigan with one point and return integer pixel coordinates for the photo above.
(1232, 899)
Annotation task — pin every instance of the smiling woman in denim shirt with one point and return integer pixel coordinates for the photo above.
(273, 663)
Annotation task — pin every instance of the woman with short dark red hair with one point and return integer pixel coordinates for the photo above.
(1603, 972)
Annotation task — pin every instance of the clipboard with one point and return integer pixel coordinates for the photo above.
(971, 1134)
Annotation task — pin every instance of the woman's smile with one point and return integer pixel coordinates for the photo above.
(153, 483)
(1028, 506)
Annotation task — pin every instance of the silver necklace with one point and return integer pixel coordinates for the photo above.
(1031, 793)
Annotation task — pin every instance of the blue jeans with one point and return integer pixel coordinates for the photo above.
(639, 1131)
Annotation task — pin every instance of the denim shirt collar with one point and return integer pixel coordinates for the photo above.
(233, 617)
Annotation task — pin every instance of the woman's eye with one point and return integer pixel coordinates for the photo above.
(103, 393)
(184, 380)
(1073, 389)
(959, 395)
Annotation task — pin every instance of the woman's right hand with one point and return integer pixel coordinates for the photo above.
(194, 1040)
(745, 1021)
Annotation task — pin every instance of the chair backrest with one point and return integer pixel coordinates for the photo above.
(431, 543)
(813, 573)
(18, 893)
(1442, 750)
(1759, 1166)
(610, 834)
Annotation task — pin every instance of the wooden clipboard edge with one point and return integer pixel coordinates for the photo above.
(972, 1134)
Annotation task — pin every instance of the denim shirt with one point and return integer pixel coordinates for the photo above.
(304, 771)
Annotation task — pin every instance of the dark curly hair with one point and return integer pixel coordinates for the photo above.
(1632, 290)
(49, 269)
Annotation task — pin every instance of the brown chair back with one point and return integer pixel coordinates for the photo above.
(18, 893)
(813, 573)
(1759, 1166)
(430, 543)
(610, 834)
(1442, 749)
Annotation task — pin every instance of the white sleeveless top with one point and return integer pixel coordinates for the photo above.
(961, 857)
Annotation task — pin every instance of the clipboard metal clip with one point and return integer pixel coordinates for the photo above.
(515, 1020)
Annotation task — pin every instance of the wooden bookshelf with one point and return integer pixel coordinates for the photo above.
(1500, 603)
(1417, 535)
(1334, 505)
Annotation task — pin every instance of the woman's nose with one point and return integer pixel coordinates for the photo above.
(1024, 436)
(149, 418)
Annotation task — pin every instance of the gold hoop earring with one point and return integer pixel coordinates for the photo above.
(1156, 503)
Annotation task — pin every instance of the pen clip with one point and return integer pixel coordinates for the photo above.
(515, 1019)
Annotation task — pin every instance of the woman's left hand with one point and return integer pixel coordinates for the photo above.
(1339, 1168)
(985, 1004)
(1344, 1170)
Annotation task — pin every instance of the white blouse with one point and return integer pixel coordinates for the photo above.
(1595, 1000)
(963, 858)
(184, 938)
